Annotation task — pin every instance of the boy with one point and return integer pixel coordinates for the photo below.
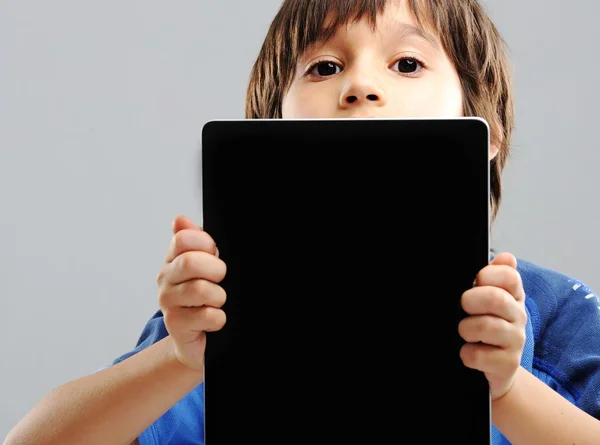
(532, 331)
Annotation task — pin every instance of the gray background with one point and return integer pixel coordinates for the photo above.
(101, 107)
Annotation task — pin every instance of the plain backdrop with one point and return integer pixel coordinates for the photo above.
(101, 108)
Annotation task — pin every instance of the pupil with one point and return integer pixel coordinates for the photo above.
(407, 66)
(326, 69)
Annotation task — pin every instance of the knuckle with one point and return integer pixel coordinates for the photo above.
(160, 276)
(171, 321)
(487, 326)
(471, 355)
(514, 361)
(462, 329)
(518, 279)
(217, 269)
(200, 288)
(185, 262)
(210, 242)
(485, 272)
(504, 272)
(521, 338)
(202, 239)
(522, 316)
(500, 275)
(213, 318)
(216, 318)
(465, 355)
(222, 321)
(480, 325)
(479, 356)
(512, 277)
(465, 301)
(511, 280)
(470, 329)
(178, 242)
(500, 329)
(210, 314)
(164, 298)
(222, 273)
(496, 300)
(222, 297)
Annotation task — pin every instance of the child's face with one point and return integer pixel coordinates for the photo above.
(397, 71)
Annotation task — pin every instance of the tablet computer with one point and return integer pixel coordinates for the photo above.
(348, 245)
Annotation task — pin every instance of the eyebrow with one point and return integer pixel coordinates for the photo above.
(403, 31)
(406, 30)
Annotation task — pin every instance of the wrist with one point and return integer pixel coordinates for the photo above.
(506, 391)
(178, 361)
(511, 389)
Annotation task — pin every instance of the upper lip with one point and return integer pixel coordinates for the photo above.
(357, 116)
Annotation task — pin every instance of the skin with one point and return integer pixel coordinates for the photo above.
(394, 72)
(369, 75)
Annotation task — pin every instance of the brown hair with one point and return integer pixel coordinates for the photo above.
(468, 36)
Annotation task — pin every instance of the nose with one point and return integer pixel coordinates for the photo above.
(362, 91)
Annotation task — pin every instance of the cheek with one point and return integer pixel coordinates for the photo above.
(435, 95)
(428, 102)
(451, 102)
(306, 103)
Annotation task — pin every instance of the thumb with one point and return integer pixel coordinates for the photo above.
(182, 223)
(505, 259)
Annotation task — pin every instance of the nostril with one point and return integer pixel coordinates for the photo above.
(352, 99)
(372, 97)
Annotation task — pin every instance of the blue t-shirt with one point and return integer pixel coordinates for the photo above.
(562, 350)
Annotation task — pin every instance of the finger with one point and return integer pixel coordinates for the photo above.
(182, 223)
(489, 300)
(196, 266)
(504, 277)
(505, 259)
(193, 293)
(186, 324)
(489, 359)
(492, 331)
(187, 240)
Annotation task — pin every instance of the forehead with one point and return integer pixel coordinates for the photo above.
(324, 18)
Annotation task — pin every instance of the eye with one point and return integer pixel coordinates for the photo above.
(324, 69)
(409, 66)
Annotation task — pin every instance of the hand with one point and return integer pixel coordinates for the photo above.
(495, 326)
(190, 296)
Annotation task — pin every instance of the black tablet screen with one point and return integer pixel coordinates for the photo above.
(348, 245)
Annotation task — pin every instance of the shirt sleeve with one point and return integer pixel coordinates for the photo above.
(566, 325)
(184, 422)
(154, 331)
